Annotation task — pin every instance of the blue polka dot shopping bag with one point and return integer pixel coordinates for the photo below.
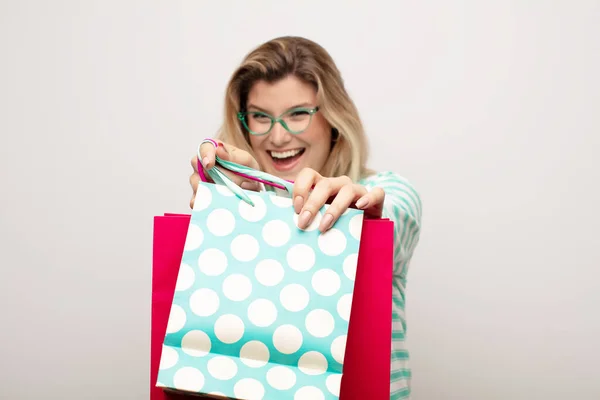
(262, 309)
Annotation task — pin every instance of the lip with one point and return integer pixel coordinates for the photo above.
(284, 150)
(287, 167)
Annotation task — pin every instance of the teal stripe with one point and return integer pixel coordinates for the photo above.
(399, 394)
(401, 374)
(400, 355)
(398, 335)
(399, 302)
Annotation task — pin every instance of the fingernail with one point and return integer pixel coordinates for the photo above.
(304, 219)
(205, 162)
(326, 222)
(298, 203)
(362, 202)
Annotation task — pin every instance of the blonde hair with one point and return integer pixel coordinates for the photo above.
(311, 63)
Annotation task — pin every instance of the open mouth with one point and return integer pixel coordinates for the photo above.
(286, 159)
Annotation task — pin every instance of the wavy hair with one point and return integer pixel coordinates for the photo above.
(311, 63)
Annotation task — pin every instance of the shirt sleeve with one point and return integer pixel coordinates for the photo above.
(402, 205)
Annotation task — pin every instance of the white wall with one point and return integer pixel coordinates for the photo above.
(490, 108)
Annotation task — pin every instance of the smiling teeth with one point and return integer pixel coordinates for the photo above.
(285, 154)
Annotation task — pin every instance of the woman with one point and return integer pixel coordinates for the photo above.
(287, 113)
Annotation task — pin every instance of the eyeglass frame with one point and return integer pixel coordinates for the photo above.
(242, 114)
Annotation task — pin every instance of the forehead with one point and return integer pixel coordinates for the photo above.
(276, 97)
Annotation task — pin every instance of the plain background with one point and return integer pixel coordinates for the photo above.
(490, 108)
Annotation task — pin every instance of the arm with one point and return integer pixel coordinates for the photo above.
(402, 205)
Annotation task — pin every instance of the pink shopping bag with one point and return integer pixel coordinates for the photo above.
(366, 373)
(170, 231)
(367, 359)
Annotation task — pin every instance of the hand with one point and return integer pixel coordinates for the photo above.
(340, 191)
(225, 152)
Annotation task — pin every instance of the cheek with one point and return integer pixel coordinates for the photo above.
(257, 143)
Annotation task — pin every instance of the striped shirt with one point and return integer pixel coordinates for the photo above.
(403, 206)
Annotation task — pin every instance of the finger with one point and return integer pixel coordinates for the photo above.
(194, 179)
(324, 189)
(305, 180)
(207, 155)
(194, 162)
(372, 202)
(345, 197)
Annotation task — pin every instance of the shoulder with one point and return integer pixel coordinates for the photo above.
(399, 191)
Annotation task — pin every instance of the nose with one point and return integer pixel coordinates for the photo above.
(278, 136)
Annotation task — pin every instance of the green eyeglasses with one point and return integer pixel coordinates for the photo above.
(295, 121)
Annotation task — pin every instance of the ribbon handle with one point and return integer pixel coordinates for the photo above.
(249, 173)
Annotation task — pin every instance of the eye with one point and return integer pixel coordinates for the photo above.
(299, 114)
(260, 117)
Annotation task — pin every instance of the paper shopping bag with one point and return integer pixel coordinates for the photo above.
(170, 231)
(366, 369)
(261, 308)
(367, 360)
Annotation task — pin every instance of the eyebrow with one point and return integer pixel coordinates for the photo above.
(305, 104)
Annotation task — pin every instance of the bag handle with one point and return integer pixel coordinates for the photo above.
(249, 173)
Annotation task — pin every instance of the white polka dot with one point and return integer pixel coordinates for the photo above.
(250, 213)
(220, 222)
(254, 354)
(237, 287)
(204, 302)
(185, 278)
(188, 379)
(249, 389)
(333, 383)
(203, 197)
(338, 348)
(269, 272)
(287, 339)
(276, 233)
(224, 190)
(344, 306)
(262, 312)
(349, 266)
(168, 358)
(196, 343)
(222, 368)
(314, 223)
(332, 242)
(281, 378)
(355, 226)
(294, 297)
(177, 319)
(194, 237)
(281, 201)
(312, 363)
(244, 248)
(212, 262)
(229, 328)
(319, 323)
(300, 257)
(309, 393)
(326, 282)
